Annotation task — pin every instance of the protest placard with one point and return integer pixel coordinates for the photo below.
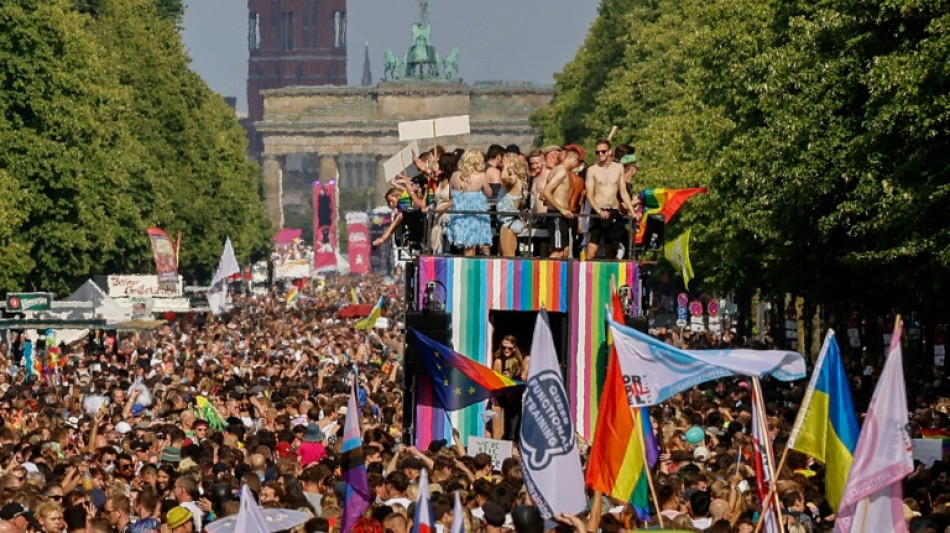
(498, 450)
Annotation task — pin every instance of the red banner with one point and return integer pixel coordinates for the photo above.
(324, 226)
(166, 261)
(358, 243)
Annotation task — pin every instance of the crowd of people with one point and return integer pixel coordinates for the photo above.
(548, 203)
(158, 430)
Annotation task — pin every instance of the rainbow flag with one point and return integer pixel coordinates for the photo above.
(618, 461)
(458, 381)
(293, 294)
(658, 200)
(625, 447)
(934, 433)
(828, 428)
(370, 321)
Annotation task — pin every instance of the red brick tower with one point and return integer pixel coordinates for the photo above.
(293, 42)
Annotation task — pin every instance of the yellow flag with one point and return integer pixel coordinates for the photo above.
(677, 253)
(353, 297)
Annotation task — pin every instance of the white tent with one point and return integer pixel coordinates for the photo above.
(102, 305)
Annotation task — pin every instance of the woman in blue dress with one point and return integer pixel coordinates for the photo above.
(470, 192)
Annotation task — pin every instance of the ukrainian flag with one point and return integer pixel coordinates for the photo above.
(827, 428)
(370, 321)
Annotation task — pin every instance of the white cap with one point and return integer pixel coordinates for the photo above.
(123, 427)
(701, 453)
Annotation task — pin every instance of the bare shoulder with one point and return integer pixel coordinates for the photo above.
(614, 169)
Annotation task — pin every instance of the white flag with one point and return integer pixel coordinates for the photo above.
(227, 267)
(873, 498)
(458, 515)
(250, 518)
(654, 371)
(551, 461)
(763, 459)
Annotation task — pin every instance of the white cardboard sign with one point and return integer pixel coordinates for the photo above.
(499, 450)
(401, 161)
(431, 128)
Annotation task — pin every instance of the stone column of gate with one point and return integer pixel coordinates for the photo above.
(273, 181)
(381, 184)
(328, 169)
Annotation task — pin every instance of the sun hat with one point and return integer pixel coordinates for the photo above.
(177, 516)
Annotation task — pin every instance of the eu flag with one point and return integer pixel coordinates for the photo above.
(457, 380)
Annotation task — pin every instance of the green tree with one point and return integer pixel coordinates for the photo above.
(564, 119)
(106, 132)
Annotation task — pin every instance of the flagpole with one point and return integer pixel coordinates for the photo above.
(763, 427)
(799, 418)
(646, 463)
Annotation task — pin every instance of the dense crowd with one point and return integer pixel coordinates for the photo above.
(549, 202)
(158, 430)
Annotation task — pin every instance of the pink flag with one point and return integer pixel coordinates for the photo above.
(324, 226)
(357, 230)
(873, 496)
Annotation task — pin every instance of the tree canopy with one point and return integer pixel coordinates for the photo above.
(821, 130)
(107, 132)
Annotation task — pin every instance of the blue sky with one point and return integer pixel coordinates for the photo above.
(509, 40)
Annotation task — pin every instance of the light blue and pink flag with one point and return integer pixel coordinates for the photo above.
(356, 498)
(873, 496)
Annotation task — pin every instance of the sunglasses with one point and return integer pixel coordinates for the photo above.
(601, 152)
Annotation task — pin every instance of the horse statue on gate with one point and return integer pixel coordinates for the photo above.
(450, 65)
(391, 65)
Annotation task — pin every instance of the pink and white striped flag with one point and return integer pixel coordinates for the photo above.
(873, 495)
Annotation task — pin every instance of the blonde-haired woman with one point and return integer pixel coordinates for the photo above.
(514, 175)
(470, 192)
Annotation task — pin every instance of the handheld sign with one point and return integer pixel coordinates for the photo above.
(431, 128)
(401, 161)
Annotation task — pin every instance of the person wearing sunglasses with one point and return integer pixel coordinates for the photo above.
(509, 361)
(605, 183)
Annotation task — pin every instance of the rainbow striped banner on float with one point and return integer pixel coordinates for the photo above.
(476, 286)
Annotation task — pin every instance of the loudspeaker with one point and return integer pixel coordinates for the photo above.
(436, 326)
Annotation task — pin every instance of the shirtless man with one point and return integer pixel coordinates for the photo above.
(604, 184)
(557, 194)
(551, 156)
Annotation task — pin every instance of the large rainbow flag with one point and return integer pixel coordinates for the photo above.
(625, 447)
(666, 202)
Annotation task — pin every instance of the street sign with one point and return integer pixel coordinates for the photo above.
(682, 299)
(681, 313)
(696, 308)
(712, 308)
(29, 301)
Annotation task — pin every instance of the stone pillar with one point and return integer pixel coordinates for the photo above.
(381, 184)
(328, 168)
(273, 176)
